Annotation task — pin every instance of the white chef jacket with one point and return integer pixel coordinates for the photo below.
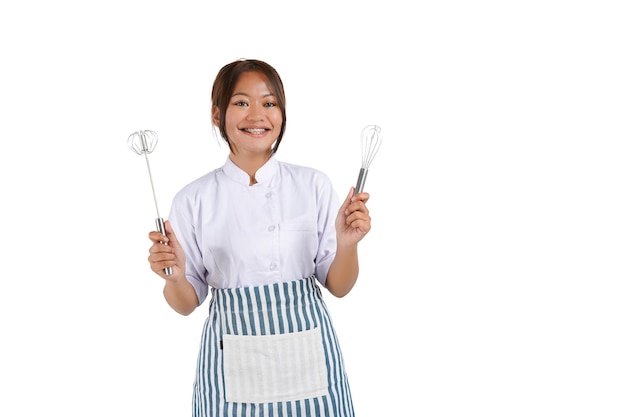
(236, 235)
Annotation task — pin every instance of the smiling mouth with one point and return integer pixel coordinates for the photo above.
(255, 131)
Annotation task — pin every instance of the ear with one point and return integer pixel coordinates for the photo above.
(215, 116)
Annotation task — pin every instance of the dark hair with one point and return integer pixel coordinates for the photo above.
(224, 85)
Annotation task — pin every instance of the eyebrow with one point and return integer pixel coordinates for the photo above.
(244, 94)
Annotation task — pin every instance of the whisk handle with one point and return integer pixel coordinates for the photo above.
(360, 183)
(161, 228)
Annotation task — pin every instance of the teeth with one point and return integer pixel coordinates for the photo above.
(256, 131)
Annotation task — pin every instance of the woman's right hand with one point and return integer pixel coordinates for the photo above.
(166, 252)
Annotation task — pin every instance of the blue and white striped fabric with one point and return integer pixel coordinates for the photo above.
(277, 309)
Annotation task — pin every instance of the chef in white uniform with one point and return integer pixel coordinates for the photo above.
(262, 236)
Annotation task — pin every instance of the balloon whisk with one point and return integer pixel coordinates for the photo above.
(371, 139)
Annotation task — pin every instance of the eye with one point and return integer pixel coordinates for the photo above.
(270, 104)
(240, 103)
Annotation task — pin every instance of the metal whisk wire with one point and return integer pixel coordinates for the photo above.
(371, 139)
(143, 142)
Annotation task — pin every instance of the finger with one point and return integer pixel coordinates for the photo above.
(358, 206)
(358, 216)
(161, 256)
(362, 225)
(348, 200)
(158, 247)
(363, 196)
(170, 234)
(155, 236)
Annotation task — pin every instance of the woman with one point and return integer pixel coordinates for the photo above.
(262, 235)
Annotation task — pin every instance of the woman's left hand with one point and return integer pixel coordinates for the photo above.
(353, 220)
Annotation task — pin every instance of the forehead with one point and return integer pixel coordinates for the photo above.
(252, 82)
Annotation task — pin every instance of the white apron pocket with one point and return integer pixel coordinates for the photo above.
(272, 368)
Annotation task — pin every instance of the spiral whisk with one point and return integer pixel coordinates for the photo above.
(143, 142)
(371, 139)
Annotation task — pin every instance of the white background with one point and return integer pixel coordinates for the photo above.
(492, 281)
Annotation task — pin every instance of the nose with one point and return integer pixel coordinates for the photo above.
(257, 111)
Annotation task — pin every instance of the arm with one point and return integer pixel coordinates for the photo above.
(178, 292)
(352, 224)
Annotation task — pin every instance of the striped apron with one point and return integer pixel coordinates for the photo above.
(270, 351)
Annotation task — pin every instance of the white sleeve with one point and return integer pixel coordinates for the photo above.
(328, 207)
(183, 221)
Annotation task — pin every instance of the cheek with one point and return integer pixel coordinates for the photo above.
(277, 120)
(230, 122)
